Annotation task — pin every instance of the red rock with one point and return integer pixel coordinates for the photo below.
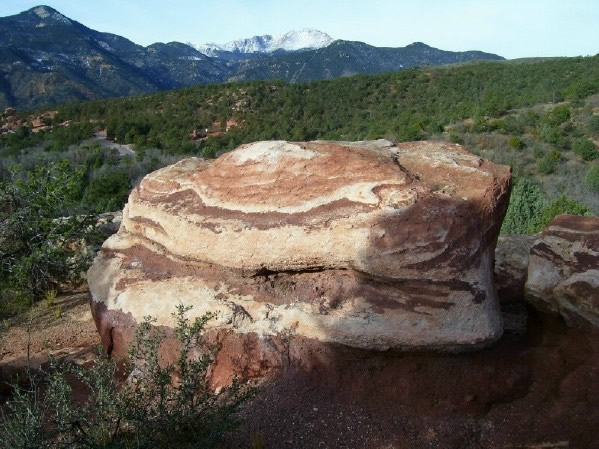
(365, 244)
(563, 270)
(511, 266)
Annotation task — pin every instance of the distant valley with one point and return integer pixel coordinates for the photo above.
(47, 58)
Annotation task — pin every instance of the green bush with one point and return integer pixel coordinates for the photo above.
(516, 143)
(40, 228)
(562, 205)
(548, 163)
(550, 134)
(525, 209)
(591, 180)
(558, 115)
(170, 406)
(107, 192)
(585, 148)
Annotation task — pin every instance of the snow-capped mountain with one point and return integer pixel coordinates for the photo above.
(291, 41)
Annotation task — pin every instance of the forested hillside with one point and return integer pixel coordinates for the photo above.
(541, 117)
(47, 58)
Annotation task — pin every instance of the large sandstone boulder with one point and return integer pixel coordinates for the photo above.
(366, 244)
(563, 270)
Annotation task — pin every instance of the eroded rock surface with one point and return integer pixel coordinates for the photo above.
(563, 270)
(511, 266)
(366, 244)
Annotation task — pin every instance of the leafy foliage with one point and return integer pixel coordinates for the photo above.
(525, 210)
(530, 212)
(586, 149)
(548, 163)
(40, 229)
(562, 205)
(171, 406)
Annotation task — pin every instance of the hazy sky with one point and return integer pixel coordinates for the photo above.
(511, 28)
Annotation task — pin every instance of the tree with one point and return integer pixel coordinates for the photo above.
(40, 228)
(526, 207)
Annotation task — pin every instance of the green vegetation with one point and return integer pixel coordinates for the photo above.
(526, 207)
(150, 410)
(530, 211)
(548, 163)
(585, 149)
(592, 179)
(539, 117)
(40, 231)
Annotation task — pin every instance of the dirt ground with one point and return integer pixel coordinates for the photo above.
(64, 329)
(538, 388)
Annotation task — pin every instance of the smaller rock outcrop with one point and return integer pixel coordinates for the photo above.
(563, 270)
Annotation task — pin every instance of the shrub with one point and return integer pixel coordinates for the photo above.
(585, 148)
(107, 192)
(516, 143)
(591, 180)
(525, 209)
(558, 115)
(548, 163)
(150, 410)
(550, 133)
(39, 230)
(562, 205)
(455, 138)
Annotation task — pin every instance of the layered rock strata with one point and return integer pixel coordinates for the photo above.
(563, 270)
(366, 244)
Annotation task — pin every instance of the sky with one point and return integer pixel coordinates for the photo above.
(510, 28)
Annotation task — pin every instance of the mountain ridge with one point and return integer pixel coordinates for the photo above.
(47, 58)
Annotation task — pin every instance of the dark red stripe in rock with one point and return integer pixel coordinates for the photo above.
(329, 288)
(187, 202)
(149, 223)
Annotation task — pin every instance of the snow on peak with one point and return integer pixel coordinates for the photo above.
(306, 38)
(44, 12)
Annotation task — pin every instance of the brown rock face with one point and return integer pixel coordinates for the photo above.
(511, 266)
(367, 244)
(563, 270)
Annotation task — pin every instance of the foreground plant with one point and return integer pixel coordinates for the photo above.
(170, 406)
(41, 230)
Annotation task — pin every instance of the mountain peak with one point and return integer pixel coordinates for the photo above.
(306, 38)
(46, 12)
